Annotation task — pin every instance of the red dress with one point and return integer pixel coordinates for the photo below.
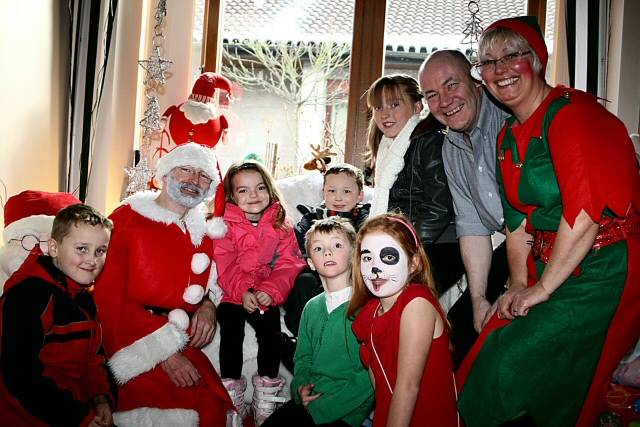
(436, 403)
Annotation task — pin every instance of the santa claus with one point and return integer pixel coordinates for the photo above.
(28, 218)
(155, 312)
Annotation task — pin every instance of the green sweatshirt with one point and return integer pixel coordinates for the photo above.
(328, 355)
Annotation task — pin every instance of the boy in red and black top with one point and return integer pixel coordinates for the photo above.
(51, 359)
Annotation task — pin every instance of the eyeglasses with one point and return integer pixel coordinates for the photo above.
(508, 60)
(187, 172)
(29, 241)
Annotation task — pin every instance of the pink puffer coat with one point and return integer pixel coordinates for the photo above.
(262, 258)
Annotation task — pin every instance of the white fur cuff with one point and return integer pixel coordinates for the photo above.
(144, 354)
(154, 417)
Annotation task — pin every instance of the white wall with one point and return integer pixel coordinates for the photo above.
(32, 61)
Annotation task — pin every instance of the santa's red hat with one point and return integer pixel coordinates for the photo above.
(528, 28)
(206, 85)
(32, 212)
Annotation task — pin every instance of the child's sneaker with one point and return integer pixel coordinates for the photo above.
(236, 389)
(265, 397)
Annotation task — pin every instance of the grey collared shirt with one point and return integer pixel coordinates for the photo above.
(471, 173)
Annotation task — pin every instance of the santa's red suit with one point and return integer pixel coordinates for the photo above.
(154, 257)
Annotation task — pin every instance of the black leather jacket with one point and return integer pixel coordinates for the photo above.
(421, 191)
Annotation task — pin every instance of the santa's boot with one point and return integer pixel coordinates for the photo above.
(265, 397)
(236, 389)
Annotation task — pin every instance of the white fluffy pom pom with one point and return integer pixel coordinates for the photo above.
(199, 263)
(193, 294)
(216, 227)
(179, 318)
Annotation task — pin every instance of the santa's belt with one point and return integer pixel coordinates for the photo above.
(160, 311)
(612, 230)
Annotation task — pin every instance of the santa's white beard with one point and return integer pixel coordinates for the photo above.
(199, 112)
(11, 258)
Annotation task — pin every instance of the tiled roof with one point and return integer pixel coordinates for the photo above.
(419, 23)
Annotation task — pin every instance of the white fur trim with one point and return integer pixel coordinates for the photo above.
(216, 227)
(192, 155)
(155, 417)
(180, 318)
(143, 202)
(193, 294)
(199, 262)
(34, 224)
(141, 356)
(199, 112)
(215, 291)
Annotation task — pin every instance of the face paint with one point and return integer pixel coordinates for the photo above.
(384, 265)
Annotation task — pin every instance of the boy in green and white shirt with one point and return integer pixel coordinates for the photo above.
(330, 385)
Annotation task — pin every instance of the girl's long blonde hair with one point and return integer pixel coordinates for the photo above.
(389, 88)
(274, 193)
(397, 227)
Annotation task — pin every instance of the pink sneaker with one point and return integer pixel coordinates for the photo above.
(265, 397)
(236, 389)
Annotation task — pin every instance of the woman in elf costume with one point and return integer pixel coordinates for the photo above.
(571, 194)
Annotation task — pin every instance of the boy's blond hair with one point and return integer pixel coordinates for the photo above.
(333, 224)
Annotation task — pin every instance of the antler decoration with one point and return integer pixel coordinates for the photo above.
(321, 157)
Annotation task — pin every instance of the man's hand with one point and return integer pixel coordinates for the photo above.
(480, 309)
(103, 417)
(305, 394)
(181, 371)
(249, 302)
(203, 324)
(264, 299)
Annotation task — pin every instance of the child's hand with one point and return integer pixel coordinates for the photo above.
(264, 299)
(249, 302)
(305, 394)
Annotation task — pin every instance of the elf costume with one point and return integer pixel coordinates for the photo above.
(554, 364)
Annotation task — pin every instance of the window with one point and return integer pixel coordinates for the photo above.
(280, 126)
(289, 61)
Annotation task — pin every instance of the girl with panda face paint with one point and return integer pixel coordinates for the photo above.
(402, 326)
(384, 266)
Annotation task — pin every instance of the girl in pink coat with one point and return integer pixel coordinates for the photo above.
(257, 262)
